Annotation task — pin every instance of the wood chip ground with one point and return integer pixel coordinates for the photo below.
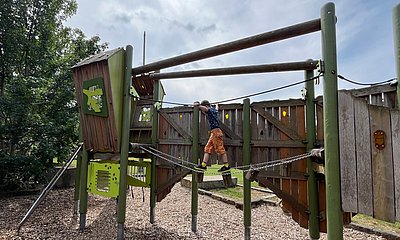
(54, 219)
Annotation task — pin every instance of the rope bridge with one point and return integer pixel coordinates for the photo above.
(246, 168)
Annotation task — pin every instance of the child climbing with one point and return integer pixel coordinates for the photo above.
(215, 142)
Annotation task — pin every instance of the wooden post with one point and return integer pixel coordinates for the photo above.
(78, 175)
(154, 141)
(227, 178)
(313, 220)
(396, 35)
(124, 143)
(334, 212)
(83, 194)
(195, 157)
(246, 161)
(77, 183)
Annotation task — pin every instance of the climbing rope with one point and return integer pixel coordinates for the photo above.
(246, 168)
(267, 91)
(366, 84)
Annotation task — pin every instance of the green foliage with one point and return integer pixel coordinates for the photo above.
(38, 112)
(20, 172)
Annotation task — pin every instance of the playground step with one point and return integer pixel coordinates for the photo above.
(209, 182)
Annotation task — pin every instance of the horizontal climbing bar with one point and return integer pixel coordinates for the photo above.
(249, 42)
(278, 67)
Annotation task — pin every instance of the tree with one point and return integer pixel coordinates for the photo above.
(38, 113)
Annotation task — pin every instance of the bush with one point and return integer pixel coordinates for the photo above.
(19, 172)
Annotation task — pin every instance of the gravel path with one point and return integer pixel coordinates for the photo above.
(54, 219)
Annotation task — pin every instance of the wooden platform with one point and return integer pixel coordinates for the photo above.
(209, 182)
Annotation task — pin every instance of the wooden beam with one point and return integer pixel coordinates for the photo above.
(278, 67)
(172, 180)
(361, 92)
(284, 196)
(278, 143)
(244, 43)
(278, 103)
(228, 132)
(294, 175)
(162, 141)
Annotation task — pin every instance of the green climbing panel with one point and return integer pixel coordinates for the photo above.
(103, 178)
(139, 173)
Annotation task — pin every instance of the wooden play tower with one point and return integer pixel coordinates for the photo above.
(121, 112)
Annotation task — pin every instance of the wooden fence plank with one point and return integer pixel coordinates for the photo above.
(322, 205)
(382, 166)
(348, 165)
(283, 128)
(363, 155)
(362, 92)
(395, 124)
(376, 99)
(302, 164)
(285, 169)
(390, 99)
(320, 123)
(176, 126)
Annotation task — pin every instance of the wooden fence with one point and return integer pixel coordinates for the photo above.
(277, 131)
(370, 152)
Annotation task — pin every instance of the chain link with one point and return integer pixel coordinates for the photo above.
(245, 169)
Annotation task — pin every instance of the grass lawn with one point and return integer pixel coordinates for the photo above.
(376, 224)
(211, 170)
(235, 192)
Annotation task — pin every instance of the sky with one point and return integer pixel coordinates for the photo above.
(364, 32)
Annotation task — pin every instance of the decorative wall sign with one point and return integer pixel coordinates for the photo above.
(94, 98)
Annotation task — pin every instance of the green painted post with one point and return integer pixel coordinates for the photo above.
(83, 194)
(154, 141)
(313, 220)
(195, 157)
(77, 182)
(246, 161)
(334, 211)
(126, 108)
(78, 175)
(396, 35)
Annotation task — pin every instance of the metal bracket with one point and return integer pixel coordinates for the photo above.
(252, 175)
(157, 105)
(317, 152)
(322, 216)
(133, 93)
(319, 168)
(379, 137)
(320, 67)
(304, 92)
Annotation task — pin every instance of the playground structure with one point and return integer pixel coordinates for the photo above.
(123, 125)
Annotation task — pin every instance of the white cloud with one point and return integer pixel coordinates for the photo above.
(364, 40)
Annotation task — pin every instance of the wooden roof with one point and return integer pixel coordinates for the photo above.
(97, 57)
